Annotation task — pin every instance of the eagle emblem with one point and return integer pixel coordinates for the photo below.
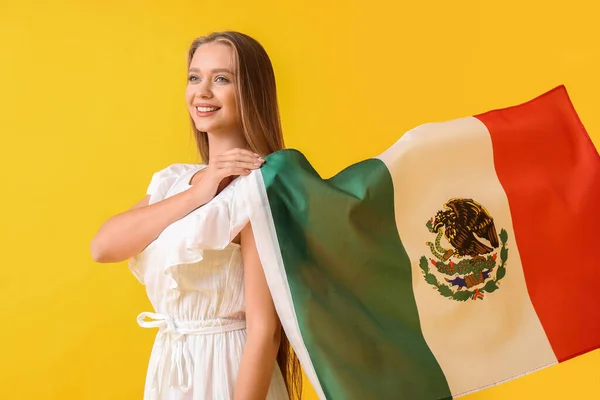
(470, 267)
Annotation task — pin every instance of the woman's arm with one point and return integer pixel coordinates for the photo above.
(263, 327)
(126, 234)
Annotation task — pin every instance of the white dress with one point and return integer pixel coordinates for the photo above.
(194, 279)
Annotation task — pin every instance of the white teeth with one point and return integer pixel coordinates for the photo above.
(206, 109)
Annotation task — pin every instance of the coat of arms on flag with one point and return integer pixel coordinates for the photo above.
(471, 266)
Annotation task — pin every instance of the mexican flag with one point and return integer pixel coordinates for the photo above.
(459, 258)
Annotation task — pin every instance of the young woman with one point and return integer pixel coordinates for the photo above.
(219, 335)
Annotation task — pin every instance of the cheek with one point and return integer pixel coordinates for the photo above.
(231, 103)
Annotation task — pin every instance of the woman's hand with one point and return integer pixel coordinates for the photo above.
(234, 162)
(223, 168)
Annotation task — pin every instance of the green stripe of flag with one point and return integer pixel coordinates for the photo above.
(353, 298)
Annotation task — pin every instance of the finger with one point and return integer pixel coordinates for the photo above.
(239, 164)
(241, 157)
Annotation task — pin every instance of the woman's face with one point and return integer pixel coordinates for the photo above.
(211, 85)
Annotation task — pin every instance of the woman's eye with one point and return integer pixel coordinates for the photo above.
(194, 78)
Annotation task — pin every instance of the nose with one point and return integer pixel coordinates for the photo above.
(203, 91)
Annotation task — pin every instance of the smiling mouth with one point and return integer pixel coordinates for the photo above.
(207, 109)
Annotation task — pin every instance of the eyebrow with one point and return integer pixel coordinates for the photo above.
(213, 71)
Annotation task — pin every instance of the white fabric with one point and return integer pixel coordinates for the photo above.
(194, 278)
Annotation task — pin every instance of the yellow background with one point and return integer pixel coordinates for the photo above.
(92, 103)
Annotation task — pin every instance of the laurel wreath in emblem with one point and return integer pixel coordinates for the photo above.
(470, 268)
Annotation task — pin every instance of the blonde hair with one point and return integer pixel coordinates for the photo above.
(256, 93)
(258, 111)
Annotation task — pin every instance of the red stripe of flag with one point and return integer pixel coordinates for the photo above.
(550, 171)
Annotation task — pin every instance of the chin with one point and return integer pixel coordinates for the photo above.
(204, 127)
(208, 128)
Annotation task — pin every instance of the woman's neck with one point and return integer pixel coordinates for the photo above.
(219, 144)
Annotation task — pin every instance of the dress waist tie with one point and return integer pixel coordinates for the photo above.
(175, 336)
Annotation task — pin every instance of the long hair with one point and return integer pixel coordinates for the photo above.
(258, 111)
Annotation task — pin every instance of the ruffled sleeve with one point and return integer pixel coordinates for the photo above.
(163, 180)
(210, 227)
